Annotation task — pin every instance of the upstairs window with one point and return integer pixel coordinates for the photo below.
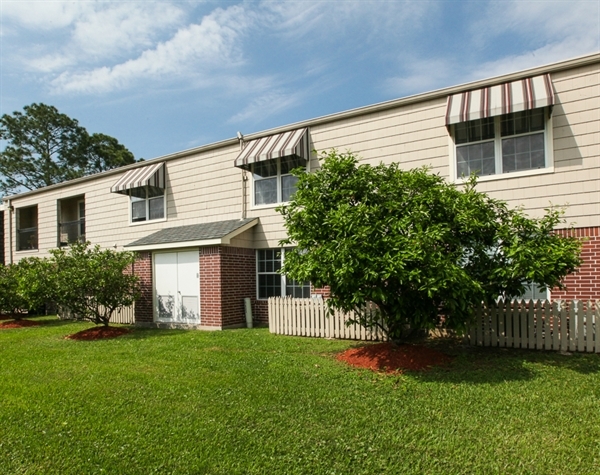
(147, 203)
(273, 182)
(145, 187)
(503, 128)
(502, 144)
(27, 228)
(271, 159)
(71, 220)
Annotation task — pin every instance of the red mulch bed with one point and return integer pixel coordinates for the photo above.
(391, 358)
(18, 324)
(99, 333)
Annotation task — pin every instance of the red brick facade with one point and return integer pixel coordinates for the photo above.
(227, 276)
(143, 269)
(585, 283)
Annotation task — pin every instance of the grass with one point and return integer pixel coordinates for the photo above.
(247, 402)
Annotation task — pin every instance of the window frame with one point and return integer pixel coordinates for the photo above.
(531, 290)
(147, 206)
(279, 180)
(284, 278)
(499, 175)
(33, 229)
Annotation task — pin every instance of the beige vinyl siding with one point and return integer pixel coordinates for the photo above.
(575, 183)
(205, 186)
(415, 135)
(200, 188)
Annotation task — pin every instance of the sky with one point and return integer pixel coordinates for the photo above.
(167, 76)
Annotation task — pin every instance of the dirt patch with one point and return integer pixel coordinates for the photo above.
(99, 333)
(391, 358)
(18, 324)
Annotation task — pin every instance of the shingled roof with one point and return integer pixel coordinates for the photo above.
(204, 234)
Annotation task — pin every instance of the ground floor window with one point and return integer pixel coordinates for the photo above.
(535, 292)
(271, 283)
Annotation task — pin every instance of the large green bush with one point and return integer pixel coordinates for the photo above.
(91, 283)
(418, 247)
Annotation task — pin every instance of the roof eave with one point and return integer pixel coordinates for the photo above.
(222, 241)
(381, 106)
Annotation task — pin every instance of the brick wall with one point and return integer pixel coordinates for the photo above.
(210, 286)
(324, 292)
(227, 276)
(143, 269)
(583, 284)
(238, 281)
(261, 310)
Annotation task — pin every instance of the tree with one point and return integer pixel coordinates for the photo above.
(93, 283)
(26, 285)
(45, 147)
(424, 251)
(34, 278)
(11, 301)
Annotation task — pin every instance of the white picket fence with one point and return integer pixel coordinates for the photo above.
(542, 325)
(308, 317)
(124, 315)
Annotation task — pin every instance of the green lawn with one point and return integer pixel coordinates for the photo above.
(246, 402)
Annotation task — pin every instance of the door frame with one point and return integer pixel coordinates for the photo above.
(154, 294)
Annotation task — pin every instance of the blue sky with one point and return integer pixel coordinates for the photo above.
(166, 76)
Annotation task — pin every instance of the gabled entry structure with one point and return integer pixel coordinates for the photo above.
(193, 276)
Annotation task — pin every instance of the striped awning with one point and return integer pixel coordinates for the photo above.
(293, 142)
(516, 96)
(150, 175)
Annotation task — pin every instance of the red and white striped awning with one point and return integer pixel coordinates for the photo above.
(516, 96)
(150, 175)
(293, 142)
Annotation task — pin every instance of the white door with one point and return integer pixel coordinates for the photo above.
(176, 287)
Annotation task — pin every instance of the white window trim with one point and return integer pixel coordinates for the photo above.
(147, 221)
(19, 228)
(548, 150)
(278, 176)
(283, 276)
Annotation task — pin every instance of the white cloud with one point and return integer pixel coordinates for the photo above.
(553, 31)
(541, 21)
(268, 104)
(545, 32)
(95, 30)
(193, 52)
(421, 76)
(358, 21)
(45, 15)
(547, 54)
(123, 27)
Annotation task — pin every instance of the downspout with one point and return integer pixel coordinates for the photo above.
(244, 178)
(9, 208)
(244, 181)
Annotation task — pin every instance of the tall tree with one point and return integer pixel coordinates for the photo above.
(416, 246)
(45, 147)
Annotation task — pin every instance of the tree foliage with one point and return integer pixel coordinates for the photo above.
(93, 283)
(11, 301)
(424, 251)
(45, 147)
(90, 282)
(25, 285)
